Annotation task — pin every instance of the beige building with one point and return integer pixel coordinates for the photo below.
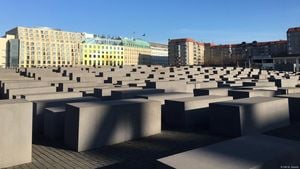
(186, 52)
(4, 49)
(135, 50)
(293, 37)
(44, 46)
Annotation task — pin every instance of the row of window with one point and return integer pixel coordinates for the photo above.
(98, 56)
(47, 44)
(50, 40)
(103, 52)
(103, 47)
(46, 32)
(110, 63)
(45, 62)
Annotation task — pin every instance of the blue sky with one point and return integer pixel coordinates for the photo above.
(218, 21)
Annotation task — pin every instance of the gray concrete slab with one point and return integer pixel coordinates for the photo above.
(286, 82)
(294, 105)
(168, 86)
(127, 94)
(94, 124)
(257, 88)
(40, 105)
(190, 111)
(248, 116)
(211, 91)
(16, 132)
(161, 97)
(31, 90)
(64, 86)
(47, 96)
(260, 83)
(54, 118)
(238, 94)
(106, 91)
(288, 90)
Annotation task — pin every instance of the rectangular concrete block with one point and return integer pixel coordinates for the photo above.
(127, 94)
(32, 90)
(55, 95)
(248, 116)
(40, 105)
(260, 83)
(190, 111)
(258, 88)
(248, 152)
(288, 90)
(208, 84)
(168, 86)
(161, 97)
(23, 84)
(54, 121)
(238, 94)
(211, 91)
(94, 124)
(286, 82)
(294, 106)
(16, 132)
(106, 91)
(64, 86)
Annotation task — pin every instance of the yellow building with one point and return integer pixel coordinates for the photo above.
(135, 51)
(44, 46)
(4, 49)
(102, 51)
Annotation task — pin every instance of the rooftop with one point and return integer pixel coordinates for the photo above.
(295, 29)
(185, 40)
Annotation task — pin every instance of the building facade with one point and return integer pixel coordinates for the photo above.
(186, 52)
(135, 51)
(99, 51)
(42, 46)
(4, 49)
(245, 54)
(293, 37)
(47, 47)
(159, 55)
(217, 55)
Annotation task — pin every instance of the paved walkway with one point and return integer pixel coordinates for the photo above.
(137, 154)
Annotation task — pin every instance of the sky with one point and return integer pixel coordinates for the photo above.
(216, 21)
